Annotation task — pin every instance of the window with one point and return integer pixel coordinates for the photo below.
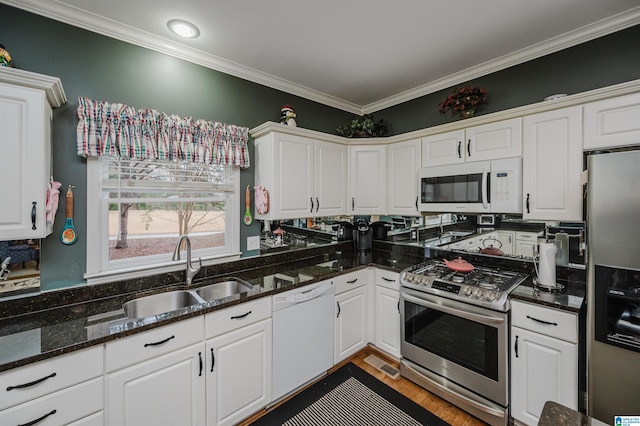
(137, 209)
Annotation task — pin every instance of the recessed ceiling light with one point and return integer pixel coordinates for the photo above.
(183, 28)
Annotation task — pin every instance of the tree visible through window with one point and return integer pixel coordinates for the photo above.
(150, 204)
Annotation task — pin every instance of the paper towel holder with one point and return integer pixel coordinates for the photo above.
(548, 270)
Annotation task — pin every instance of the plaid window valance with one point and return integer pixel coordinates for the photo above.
(120, 131)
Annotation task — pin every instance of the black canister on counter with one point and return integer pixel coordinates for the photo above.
(380, 230)
(362, 236)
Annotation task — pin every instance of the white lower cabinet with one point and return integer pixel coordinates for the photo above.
(238, 373)
(167, 390)
(238, 367)
(387, 312)
(544, 360)
(525, 243)
(157, 377)
(388, 320)
(351, 323)
(56, 391)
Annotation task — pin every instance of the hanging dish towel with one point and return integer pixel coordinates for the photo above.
(262, 199)
(53, 196)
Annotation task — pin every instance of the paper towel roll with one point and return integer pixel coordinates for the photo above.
(547, 271)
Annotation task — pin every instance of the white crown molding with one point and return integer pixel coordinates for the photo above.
(52, 86)
(569, 39)
(73, 16)
(578, 99)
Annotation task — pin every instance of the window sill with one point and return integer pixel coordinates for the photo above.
(154, 269)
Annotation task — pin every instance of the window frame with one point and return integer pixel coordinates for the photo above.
(98, 268)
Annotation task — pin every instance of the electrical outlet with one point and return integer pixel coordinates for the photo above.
(253, 243)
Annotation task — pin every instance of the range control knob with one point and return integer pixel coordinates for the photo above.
(467, 291)
(478, 294)
(490, 296)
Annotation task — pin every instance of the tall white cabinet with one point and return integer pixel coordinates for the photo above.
(552, 164)
(26, 102)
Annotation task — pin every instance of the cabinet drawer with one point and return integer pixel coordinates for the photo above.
(234, 317)
(48, 376)
(58, 408)
(350, 280)
(388, 279)
(150, 344)
(526, 236)
(548, 321)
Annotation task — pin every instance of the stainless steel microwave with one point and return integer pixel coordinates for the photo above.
(479, 187)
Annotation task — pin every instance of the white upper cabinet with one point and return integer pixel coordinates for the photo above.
(552, 164)
(612, 122)
(501, 139)
(442, 149)
(402, 190)
(368, 179)
(330, 179)
(304, 177)
(26, 102)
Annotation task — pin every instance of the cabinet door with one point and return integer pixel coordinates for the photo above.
(542, 369)
(239, 373)
(442, 149)
(388, 321)
(612, 123)
(402, 190)
(502, 139)
(552, 164)
(294, 183)
(351, 323)
(25, 163)
(526, 243)
(368, 179)
(507, 239)
(167, 390)
(330, 179)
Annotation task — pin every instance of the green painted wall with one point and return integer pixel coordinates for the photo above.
(599, 63)
(105, 69)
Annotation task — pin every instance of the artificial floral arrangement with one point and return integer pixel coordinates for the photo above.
(363, 127)
(464, 101)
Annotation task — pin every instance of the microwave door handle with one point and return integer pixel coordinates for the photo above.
(485, 175)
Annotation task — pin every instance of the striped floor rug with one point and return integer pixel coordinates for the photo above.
(350, 396)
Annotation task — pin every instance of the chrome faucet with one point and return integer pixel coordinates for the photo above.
(191, 271)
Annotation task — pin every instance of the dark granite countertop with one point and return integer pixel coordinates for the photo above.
(57, 322)
(570, 297)
(554, 414)
(79, 321)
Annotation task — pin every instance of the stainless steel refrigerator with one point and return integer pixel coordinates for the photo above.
(613, 280)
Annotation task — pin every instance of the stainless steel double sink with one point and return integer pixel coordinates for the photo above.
(176, 300)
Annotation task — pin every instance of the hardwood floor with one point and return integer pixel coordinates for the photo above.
(441, 408)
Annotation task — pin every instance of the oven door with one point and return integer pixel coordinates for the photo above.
(463, 343)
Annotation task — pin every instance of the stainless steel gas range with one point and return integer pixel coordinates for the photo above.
(455, 335)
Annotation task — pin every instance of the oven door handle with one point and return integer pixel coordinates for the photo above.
(484, 319)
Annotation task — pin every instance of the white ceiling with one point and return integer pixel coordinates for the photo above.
(356, 55)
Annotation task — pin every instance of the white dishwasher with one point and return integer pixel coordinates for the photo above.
(303, 328)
